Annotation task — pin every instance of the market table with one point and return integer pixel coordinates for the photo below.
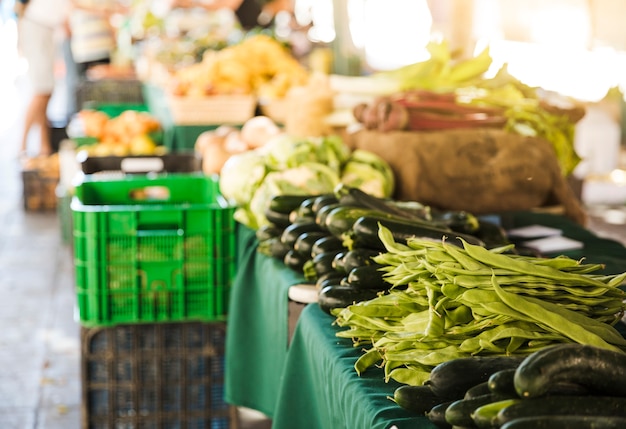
(312, 383)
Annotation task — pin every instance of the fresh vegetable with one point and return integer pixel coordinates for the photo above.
(278, 219)
(268, 231)
(305, 241)
(326, 244)
(459, 413)
(360, 257)
(501, 382)
(599, 369)
(368, 277)
(292, 232)
(418, 399)
(286, 203)
(566, 422)
(563, 405)
(437, 415)
(477, 390)
(485, 416)
(294, 260)
(335, 296)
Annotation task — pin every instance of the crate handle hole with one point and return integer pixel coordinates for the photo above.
(150, 193)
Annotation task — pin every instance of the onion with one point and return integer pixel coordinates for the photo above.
(211, 145)
(258, 130)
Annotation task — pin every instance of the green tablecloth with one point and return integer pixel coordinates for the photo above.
(321, 390)
(257, 335)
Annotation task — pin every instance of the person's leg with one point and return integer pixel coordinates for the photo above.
(36, 117)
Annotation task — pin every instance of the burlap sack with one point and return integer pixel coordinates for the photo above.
(477, 170)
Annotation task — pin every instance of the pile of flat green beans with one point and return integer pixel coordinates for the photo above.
(448, 302)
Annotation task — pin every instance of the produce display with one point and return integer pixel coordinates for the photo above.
(443, 92)
(565, 385)
(258, 65)
(132, 132)
(287, 165)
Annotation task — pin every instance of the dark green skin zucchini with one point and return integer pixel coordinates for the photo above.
(323, 263)
(327, 243)
(365, 233)
(320, 216)
(293, 231)
(358, 258)
(437, 415)
(305, 209)
(328, 279)
(296, 217)
(273, 248)
(355, 197)
(265, 232)
(600, 370)
(451, 379)
(341, 219)
(294, 260)
(552, 405)
(338, 296)
(477, 390)
(567, 422)
(459, 413)
(338, 262)
(286, 203)
(305, 241)
(417, 399)
(501, 382)
(323, 200)
(368, 277)
(459, 221)
(279, 219)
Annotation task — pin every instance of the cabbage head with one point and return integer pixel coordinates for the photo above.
(370, 173)
(241, 175)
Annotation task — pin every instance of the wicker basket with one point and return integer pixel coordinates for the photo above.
(212, 110)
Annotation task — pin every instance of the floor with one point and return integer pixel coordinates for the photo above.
(39, 338)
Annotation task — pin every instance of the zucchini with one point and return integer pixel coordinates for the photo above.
(328, 279)
(279, 219)
(323, 200)
(273, 248)
(337, 296)
(265, 232)
(320, 216)
(286, 203)
(294, 260)
(323, 262)
(600, 370)
(437, 415)
(327, 243)
(417, 399)
(485, 417)
(459, 221)
(356, 197)
(567, 422)
(338, 262)
(293, 231)
(365, 233)
(501, 382)
(305, 241)
(341, 219)
(296, 217)
(477, 390)
(459, 413)
(359, 258)
(305, 209)
(551, 405)
(452, 378)
(368, 277)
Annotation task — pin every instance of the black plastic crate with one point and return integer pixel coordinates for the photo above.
(180, 162)
(116, 91)
(160, 376)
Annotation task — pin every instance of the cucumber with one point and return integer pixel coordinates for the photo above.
(327, 243)
(437, 415)
(338, 296)
(368, 277)
(501, 382)
(305, 241)
(551, 405)
(477, 390)
(566, 422)
(459, 413)
(286, 203)
(365, 232)
(452, 378)
(358, 258)
(600, 370)
(293, 231)
(417, 399)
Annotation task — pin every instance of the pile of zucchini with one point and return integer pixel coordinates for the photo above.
(333, 238)
(561, 386)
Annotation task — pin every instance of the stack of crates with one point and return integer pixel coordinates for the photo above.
(154, 258)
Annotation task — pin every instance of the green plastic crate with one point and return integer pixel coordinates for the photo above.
(152, 249)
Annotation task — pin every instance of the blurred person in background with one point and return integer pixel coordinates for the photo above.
(40, 23)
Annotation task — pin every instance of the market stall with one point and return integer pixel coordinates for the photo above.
(312, 382)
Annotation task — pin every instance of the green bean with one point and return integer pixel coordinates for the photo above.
(368, 359)
(466, 261)
(409, 375)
